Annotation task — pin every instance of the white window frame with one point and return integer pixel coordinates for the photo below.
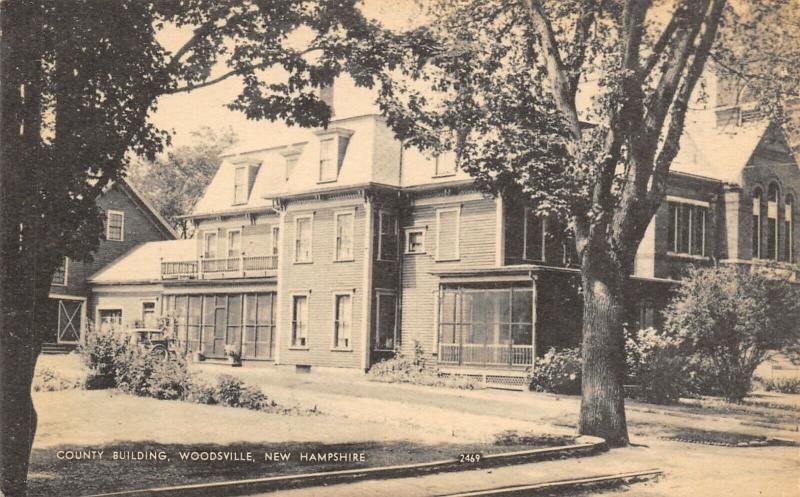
(228, 243)
(396, 228)
(99, 324)
(336, 256)
(407, 244)
(245, 185)
(66, 274)
(275, 242)
(677, 219)
(334, 159)
(292, 336)
(310, 218)
(385, 293)
(334, 345)
(121, 214)
(439, 212)
(206, 235)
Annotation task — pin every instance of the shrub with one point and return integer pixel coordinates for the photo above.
(148, 375)
(729, 320)
(404, 369)
(781, 385)
(49, 380)
(200, 392)
(656, 363)
(559, 371)
(233, 392)
(102, 353)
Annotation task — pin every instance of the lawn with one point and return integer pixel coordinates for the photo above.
(137, 428)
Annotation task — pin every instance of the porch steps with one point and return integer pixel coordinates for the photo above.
(492, 378)
(58, 348)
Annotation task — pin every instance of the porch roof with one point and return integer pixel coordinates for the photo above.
(518, 272)
(142, 264)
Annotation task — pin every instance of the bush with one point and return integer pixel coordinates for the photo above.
(657, 364)
(148, 375)
(102, 353)
(559, 371)
(233, 392)
(49, 380)
(781, 385)
(404, 369)
(729, 320)
(200, 392)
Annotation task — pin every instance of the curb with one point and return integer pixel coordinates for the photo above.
(586, 446)
(581, 484)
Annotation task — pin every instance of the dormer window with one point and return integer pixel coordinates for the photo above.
(240, 185)
(244, 175)
(327, 160)
(291, 155)
(332, 147)
(444, 165)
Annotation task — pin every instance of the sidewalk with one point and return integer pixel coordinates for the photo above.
(711, 472)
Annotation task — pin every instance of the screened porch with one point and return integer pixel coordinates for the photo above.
(486, 326)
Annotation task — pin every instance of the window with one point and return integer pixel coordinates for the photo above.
(303, 239)
(534, 232)
(276, 232)
(687, 229)
(344, 235)
(149, 314)
(343, 318)
(234, 243)
(387, 234)
(415, 241)
(240, 185)
(300, 321)
(60, 275)
(444, 165)
(788, 235)
(386, 326)
(757, 223)
(109, 319)
(773, 193)
(447, 233)
(291, 162)
(115, 226)
(210, 245)
(327, 160)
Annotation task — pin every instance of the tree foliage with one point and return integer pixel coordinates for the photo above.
(732, 319)
(176, 180)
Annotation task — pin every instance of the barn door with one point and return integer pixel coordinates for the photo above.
(69, 321)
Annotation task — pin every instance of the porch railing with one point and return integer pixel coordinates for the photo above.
(225, 267)
(486, 355)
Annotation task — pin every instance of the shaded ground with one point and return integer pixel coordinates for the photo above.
(396, 422)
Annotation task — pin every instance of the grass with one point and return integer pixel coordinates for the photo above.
(109, 421)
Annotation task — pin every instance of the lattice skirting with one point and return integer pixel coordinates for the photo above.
(505, 380)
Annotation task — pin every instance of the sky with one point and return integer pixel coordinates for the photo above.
(185, 112)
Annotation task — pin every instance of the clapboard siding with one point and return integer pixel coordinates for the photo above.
(477, 250)
(321, 279)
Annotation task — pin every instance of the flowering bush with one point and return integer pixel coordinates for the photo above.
(657, 363)
(102, 352)
(559, 371)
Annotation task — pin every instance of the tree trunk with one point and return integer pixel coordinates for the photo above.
(603, 397)
(18, 421)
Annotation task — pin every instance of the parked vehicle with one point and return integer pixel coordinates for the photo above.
(157, 341)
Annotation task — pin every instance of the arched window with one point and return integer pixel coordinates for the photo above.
(788, 234)
(773, 194)
(757, 194)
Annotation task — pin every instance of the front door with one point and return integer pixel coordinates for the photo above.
(69, 321)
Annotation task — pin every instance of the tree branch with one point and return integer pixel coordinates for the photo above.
(557, 72)
(585, 21)
(671, 145)
(661, 44)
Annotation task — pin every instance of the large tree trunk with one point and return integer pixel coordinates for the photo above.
(603, 401)
(18, 422)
